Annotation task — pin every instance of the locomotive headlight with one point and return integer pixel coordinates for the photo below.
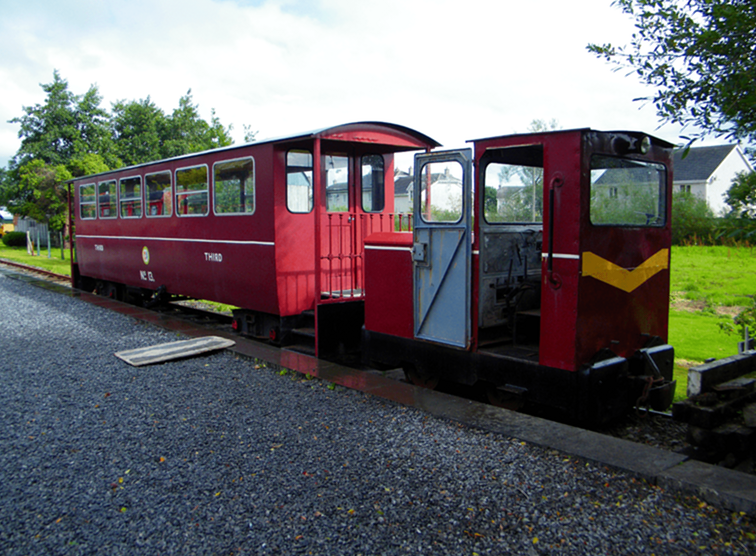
(645, 145)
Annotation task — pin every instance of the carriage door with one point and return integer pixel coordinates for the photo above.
(442, 246)
(338, 254)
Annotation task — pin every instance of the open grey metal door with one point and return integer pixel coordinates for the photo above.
(442, 246)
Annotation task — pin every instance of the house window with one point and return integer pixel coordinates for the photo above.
(373, 183)
(191, 191)
(299, 187)
(685, 189)
(234, 186)
(130, 197)
(613, 192)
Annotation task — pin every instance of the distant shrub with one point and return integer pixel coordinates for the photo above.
(15, 239)
(692, 220)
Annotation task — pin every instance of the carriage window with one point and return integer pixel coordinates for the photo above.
(627, 192)
(106, 199)
(373, 199)
(158, 193)
(87, 202)
(513, 180)
(299, 188)
(442, 201)
(234, 187)
(191, 191)
(337, 183)
(130, 197)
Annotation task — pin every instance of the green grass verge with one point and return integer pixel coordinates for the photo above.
(53, 264)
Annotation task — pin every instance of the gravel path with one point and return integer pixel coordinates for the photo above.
(215, 455)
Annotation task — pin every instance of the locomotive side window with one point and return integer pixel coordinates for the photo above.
(627, 192)
(442, 201)
(373, 183)
(191, 191)
(513, 181)
(299, 185)
(130, 197)
(158, 193)
(337, 183)
(106, 199)
(234, 186)
(87, 202)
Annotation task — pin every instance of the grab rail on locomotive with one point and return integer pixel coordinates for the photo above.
(544, 274)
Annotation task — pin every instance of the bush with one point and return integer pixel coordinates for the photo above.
(692, 219)
(15, 239)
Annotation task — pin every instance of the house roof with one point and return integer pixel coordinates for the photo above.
(700, 163)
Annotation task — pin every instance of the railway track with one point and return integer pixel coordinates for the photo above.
(646, 427)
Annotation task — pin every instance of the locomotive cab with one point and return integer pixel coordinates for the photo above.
(544, 274)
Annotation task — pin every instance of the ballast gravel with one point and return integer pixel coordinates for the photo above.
(222, 455)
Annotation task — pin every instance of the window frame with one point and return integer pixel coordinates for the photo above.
(170, 191)
(176, 192)
(311, 196)
(92, 203)
(254, 186)
(121, 199)
(662, 198)
(114, 205)
(382, 195)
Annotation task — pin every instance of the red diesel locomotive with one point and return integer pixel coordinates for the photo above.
(536, 265)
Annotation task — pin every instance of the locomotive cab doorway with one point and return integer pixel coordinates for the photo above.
(442, 247)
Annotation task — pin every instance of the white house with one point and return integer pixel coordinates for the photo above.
(708, 172)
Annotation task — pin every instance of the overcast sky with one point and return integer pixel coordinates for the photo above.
(452, 69)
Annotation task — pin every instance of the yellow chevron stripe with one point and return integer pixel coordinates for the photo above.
(626, 280)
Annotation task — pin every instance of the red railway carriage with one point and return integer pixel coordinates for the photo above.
(275, 227)
(543, 274)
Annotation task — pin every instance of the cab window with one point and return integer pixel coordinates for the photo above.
(627, 192)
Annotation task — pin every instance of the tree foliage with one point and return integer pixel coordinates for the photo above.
(70, 135)
(699, 56)
(741, 197)
(692, 219)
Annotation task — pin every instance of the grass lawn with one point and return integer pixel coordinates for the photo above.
(53, 264)
(709, 285)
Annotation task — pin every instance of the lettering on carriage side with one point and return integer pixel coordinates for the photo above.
(99, 247)
(146, 275)
(214, 257)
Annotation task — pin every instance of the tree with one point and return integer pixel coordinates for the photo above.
(741, 197)
(64, 127)
(139, 131)
(40, 193)
(699, 56)
(692, 219)
(187, 132)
